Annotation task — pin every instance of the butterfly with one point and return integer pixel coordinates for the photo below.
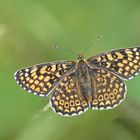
(74, 87)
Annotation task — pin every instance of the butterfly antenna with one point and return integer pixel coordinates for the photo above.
(98, 38)
(64, 49)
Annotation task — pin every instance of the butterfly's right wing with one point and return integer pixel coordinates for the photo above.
(124, 62)
(109, 89)
(41, 79)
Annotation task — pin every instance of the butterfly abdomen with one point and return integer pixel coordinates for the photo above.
(84, 81)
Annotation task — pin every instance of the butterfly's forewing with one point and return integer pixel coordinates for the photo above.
(41, 79)
(124, 62)
(108, 88)
(65, 99)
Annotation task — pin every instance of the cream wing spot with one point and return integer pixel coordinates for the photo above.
(33, 70)
(47, 78)
(26, 74)
(53, 68)
(27, 70)
(135, 49)
(58, 74)
(41, 77)
(43, 70)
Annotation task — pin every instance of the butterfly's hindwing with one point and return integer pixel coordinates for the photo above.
(65, 99)
(41, 79)
(124, 62)
(109, 90)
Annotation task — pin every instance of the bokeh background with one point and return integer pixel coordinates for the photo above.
(28, 29)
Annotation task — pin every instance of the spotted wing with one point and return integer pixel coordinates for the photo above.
(65, 99)
(41, 79)
(124, 62)
(109, 90)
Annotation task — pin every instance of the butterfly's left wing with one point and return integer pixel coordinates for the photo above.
(124, 62)
(41, 79)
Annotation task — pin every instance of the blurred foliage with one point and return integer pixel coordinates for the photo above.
(28, 29)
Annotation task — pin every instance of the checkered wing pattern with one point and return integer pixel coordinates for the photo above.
(41, 79)
(66, 100)
(108, 88)
(124, 62)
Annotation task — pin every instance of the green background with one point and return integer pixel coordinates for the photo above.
(28, 29)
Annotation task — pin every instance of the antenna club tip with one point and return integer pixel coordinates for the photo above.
(99, 37)
(54, 46)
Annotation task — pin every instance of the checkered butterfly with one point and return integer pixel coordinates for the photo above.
(95, 83)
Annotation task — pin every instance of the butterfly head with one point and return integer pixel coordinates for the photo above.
(80, 57)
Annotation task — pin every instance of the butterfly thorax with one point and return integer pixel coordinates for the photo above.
(84, 80)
